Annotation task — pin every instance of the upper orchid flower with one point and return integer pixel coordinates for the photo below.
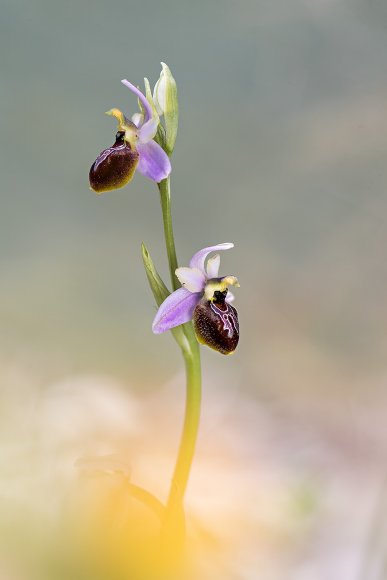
(204, 299)
(133, 149)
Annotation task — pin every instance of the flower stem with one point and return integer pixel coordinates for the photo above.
(191, 425)
(191, 354)
(165, 199)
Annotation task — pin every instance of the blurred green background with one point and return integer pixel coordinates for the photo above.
(281, 149)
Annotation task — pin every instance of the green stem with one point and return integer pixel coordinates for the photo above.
(165, 199)
(191, 354)
(191, 424)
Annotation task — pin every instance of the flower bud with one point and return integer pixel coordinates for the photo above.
(114, 167)
(216, 323)
(166, 103)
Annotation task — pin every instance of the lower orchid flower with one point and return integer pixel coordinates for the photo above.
(204, 298)
(134, 148)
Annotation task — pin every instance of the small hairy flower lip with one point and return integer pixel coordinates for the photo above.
(216, 325)
(114, 167)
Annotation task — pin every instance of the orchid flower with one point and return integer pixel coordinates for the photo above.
(134, 148)
(204, 298)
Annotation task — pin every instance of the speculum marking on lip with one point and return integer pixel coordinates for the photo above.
(227, 316)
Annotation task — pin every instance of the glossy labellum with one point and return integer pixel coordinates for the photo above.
(114, 167)
(216, 323)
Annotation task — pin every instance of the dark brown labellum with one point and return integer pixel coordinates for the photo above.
(216, 324)
(114, 167)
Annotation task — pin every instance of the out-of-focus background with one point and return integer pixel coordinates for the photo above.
(281, 149)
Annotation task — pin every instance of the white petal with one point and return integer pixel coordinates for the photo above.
(198, 259)
(191, 279)
(138, 119)
(213, 266)
(148, 131)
